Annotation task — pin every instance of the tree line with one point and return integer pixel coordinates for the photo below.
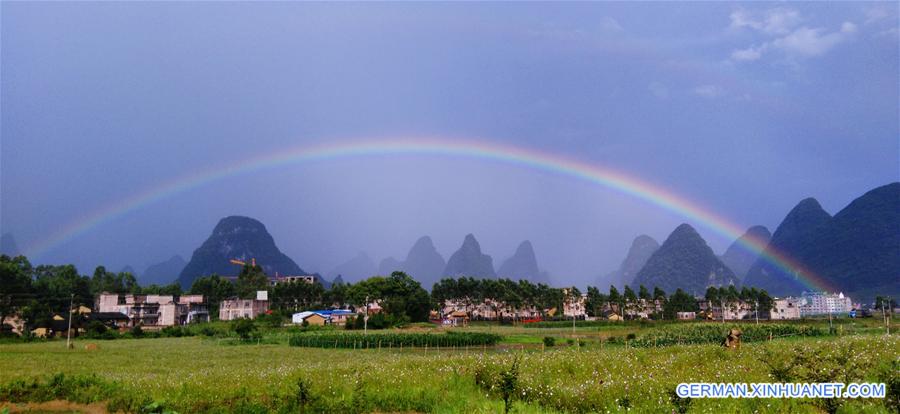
(37, 293)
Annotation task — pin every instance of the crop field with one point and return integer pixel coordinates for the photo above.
(586, 374)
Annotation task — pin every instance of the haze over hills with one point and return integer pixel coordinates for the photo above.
(163, 273)
(358, 268)
(8, 245)
(522, 265)
(684, 261)
(424, 263)
(739, 257)
(642, 247)
(795, 235)
(389, 264)
(470, 261)
(242, 238)
(857, 251)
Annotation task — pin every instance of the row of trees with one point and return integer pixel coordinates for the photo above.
(399, 295)
(36, 293)
(515, 295)
(630, 302)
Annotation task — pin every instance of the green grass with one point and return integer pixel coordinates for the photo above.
(198, 374)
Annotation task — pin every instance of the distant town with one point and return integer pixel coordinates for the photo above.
(35, 302)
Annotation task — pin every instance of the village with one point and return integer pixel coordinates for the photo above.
(125, 311)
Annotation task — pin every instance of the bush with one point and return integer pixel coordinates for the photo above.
(244, 328)
(172, 332)
(95, 330)
(137, 331)
(549, 341)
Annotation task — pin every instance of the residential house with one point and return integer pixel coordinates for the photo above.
(290, 279)
(574, 308)
(322, 317)
(733, 310)
(786, 308)
(456, 318)
(154, 310)
(234, 308)
(686, 316)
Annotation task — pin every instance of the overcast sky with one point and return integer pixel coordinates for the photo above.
(742, 108)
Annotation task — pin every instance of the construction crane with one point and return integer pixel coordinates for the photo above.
(243, 263)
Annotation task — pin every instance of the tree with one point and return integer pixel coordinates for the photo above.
(712, 294)
(616, 298)
(54, 288)
(214, 290)
(679, 302)
(595, 301)
(337, 295)
(173, 289)
(15, 285)
(643, 293)
(244, 327)
(659, 294)
(250, 280)
(103, 281)
(630, 299)
(886, 301)
(298, 295)
(399, 296)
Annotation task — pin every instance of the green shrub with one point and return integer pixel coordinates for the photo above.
(549, 341)
(245, 328)
(172, 332)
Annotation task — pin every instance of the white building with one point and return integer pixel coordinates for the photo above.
(155, 310)
(786, 308)
(574, 307)
(823, 303)
(236, 308)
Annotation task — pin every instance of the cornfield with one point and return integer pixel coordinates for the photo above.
(393, 340)
(708, 333)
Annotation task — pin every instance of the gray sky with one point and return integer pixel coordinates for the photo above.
(743, 108)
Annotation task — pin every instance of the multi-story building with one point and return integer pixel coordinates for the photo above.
(155, 310)
(786, 308)
(574, 307)
(823, 303)
(289, 279)
(231, 309)
(734, 310)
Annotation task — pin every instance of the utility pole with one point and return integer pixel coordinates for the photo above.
(757, 311)
(830, 324)
(366, 318)
(722, 306)
(884, 317)
(69, 331)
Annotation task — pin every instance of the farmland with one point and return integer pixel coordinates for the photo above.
(209, 374)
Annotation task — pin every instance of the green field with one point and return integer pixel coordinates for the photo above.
(207, 374)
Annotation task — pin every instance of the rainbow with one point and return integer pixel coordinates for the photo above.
(479, 150)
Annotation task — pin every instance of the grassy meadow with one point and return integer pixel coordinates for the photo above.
(591, 369)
